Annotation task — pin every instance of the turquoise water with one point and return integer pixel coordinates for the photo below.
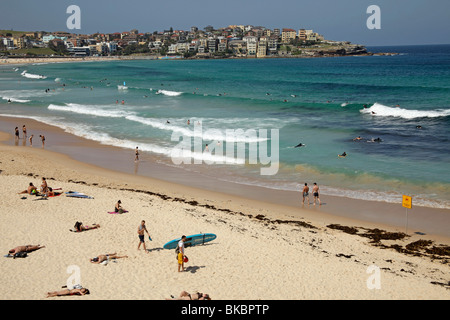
(316, 102)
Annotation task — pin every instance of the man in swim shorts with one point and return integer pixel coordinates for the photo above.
(305, 193)
(316, 193)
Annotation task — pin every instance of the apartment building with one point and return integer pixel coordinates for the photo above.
(287, 35)
(262, 48)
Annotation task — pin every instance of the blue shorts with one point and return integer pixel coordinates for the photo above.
(141, 237)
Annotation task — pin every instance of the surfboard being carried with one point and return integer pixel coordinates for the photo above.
(192, 240)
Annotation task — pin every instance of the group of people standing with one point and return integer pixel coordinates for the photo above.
(24, 136)
(315, 191)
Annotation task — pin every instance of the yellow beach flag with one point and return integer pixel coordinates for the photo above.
(407, 202)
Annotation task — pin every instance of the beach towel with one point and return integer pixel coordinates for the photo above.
(74, 194)
(113, 212)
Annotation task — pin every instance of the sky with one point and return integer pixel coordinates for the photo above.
(402, 22)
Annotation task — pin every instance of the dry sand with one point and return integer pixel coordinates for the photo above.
(261, 251)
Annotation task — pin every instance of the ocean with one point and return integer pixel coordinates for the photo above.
(398, 105)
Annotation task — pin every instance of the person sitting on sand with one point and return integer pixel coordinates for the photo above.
(80, 227)
(30, 190)
(27, 248)
(44, 186)
(68, 292)
(106, 257)
(195, 296)
(118, 208)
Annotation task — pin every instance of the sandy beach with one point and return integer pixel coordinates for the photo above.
(68, 59)
(264, 249)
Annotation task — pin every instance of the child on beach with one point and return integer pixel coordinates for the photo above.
(180, 255)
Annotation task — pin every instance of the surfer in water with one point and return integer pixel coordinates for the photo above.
(300, 145)
(342, 155)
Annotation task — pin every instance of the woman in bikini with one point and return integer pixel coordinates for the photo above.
(194, 296)
(68, 292)
(80, 227)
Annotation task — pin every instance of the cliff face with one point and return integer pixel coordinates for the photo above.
(345, 50)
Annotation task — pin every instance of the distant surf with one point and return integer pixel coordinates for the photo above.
(384, 111)
(32, 76)
(169, 93)
(15, 100)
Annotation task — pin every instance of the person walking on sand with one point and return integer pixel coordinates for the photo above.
(316, 193)
(181, 254)
(140, 231)
(24, 130)
(31, 140)
(305, 193)
(136, 157)
(42, 139)
(16, 132)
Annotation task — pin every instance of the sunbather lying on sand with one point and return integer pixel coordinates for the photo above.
(80, 227)
(68, 292)
(106, 257)
(27, 248)
(195, 296)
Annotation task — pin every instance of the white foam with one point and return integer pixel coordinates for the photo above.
(12, 99)
(32, 76)
(380, 110)
(93, 110)
(169, 93)
(121, 87)
(210, 135)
